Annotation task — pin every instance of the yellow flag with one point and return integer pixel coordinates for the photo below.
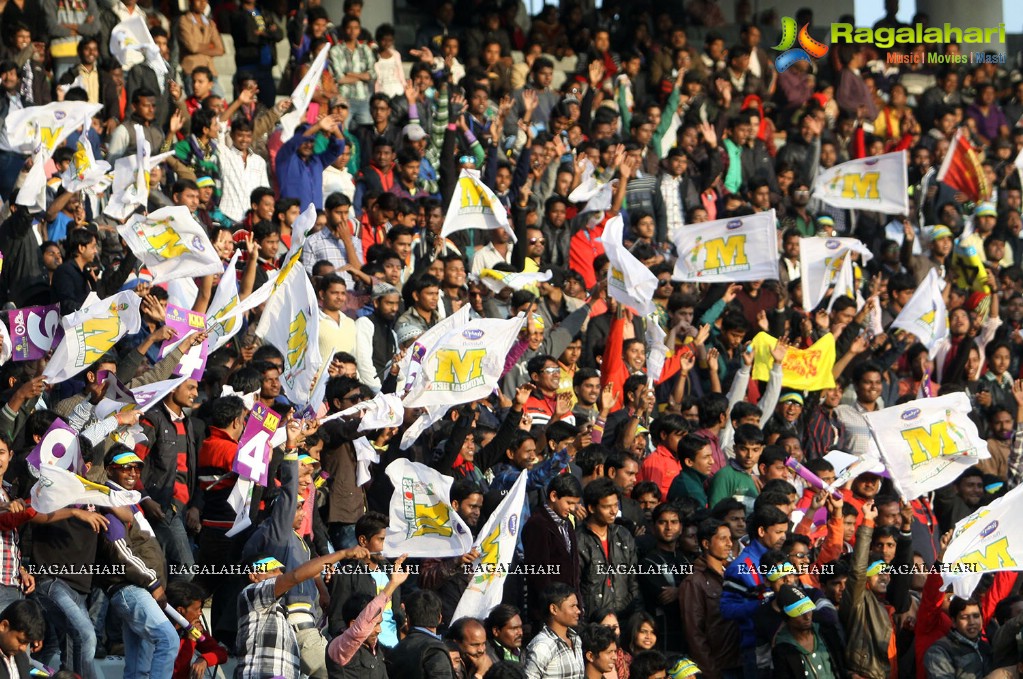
(804, 369)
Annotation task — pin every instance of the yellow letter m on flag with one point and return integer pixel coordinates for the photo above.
(927, 443)
(459, 368)
(860, 185)
(722, 252)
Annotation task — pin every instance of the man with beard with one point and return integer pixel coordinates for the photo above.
(958, 500)
(376, 342)
(470, 637)
(450, 577)
(1001, 424)
(798, 216)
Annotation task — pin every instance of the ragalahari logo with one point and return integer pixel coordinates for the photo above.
(808, 49)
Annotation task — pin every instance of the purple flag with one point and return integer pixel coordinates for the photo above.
(33, 331)
(253, 459)
(59, 448)
(184, 322)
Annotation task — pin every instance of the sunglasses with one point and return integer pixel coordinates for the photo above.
(552, 371)
(799, 555)
(134, 467)
(534, 241)
(466, 160)
(663, 282)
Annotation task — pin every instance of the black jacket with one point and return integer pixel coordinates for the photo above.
(163, 447)
(248, 45)
(543, 545)
(608, 582)
(420, 656)
(364, 665)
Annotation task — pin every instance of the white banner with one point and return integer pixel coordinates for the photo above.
(925, 315)
(657, 352)
(381, 411)
(131, 43)
(628, 281)
(171, 244)
(84, 171)
(820, 262)
(499, 280)
(44, 128)
(878, 184)
(423, 523)
(986, 541)
(927, 443)
(496, 544)
(291, 322)
(58, 488)
(475, 206)
(728, 250)
(225, 299)
(91, 332)
(130, 187)
(464, 364)
(303, 94)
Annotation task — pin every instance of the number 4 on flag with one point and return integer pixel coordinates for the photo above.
(253, 459)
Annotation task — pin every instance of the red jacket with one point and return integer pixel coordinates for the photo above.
(585, 247)
(613, 368)
(210, 650)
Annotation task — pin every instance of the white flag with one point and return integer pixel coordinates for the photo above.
(499, 280)
(171, 244)
(303, 94)
(131, 43)
(430, 416)
(91, 332)
(475, 206)
(142, 398)
(58, 488)
(925, 315)
(657, 353)
(465, 364)
(225, 299)
(878, 184)
(927, 443)
(365, 455)
(845, 284)
(820, 261)
(127, 193)
(299, 232)
(986, 541)
(240, 500)
(628, 280)
(728, 250)
(496, 545)
(412, 363)
(383, 410)
(291, 322)
(36, 128)
(423, 523)
(84, 171)
(32, 193)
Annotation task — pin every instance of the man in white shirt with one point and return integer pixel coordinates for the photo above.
(243, 171)
(498, 250)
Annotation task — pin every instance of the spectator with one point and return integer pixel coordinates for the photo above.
(299, 170)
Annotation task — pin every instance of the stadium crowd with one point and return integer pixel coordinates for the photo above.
(665, 532)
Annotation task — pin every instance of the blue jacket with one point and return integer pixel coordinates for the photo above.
(741, 595)
(303, 179)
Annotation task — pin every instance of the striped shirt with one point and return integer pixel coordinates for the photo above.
(344, 61)
(241, 176)
(548, 656)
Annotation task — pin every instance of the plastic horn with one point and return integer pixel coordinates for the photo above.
(811, 478)
(179, 620)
